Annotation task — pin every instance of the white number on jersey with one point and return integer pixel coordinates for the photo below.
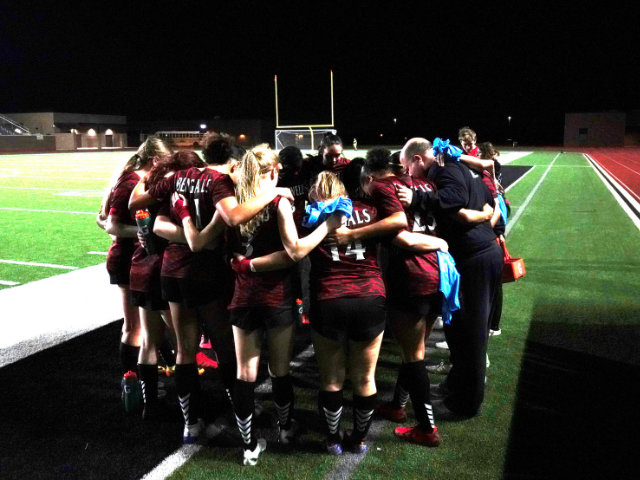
(249, 246)
(357, 252)
(196, 202)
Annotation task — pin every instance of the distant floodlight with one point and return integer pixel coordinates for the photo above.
(381, 135)
(203, 126)
(395, 120)
(243, 135)
(299, 136)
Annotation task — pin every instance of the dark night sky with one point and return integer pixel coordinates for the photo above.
(432, 70)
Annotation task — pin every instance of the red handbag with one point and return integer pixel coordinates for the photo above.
(513, 267)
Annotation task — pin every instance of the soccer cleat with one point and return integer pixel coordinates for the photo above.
(439, 324)
(443, 345)
(488, 362)
(205, 342)
(192, 432)
(354, 446)
(495, 333)
(205, 362)
(333, 448)
(285, 437)
(440, 369)
(389, 411)
(250, 457)
(417, 435)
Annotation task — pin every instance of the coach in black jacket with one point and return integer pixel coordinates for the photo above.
(479, 261)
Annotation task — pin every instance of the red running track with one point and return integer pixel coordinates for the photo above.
(623, 164)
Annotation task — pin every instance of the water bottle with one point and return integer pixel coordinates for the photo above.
(145, 229)
(131, 391)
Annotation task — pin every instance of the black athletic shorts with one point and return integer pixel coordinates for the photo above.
(148, 300)
(253, 318)
(425, 305)
(119, 277)
(355, 319)
(190, 291)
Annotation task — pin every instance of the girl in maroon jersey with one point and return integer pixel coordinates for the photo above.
(117, 221)
(195, 283)
(265, 301)
(146, 290)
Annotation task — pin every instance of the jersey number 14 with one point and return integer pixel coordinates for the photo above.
(353, 250)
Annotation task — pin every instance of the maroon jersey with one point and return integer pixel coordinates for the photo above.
(317, 166)
(121, 251)
(268, 289)
(410, 273)
(491, 185)
(351, 270)
(203, 190)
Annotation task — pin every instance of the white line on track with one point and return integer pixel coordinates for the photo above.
(528, 199)
(184, 453)
(516, 182)
(602, 173)
(33, 264)
(7, 282)
(621, 164)
(98, 253)
(47, 211)
(612, 176)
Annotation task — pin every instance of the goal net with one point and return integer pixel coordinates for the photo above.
(304, 139)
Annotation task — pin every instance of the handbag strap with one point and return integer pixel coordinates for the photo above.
(504, 249)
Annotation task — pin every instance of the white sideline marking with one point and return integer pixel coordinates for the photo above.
(47, 177)
(98, 253)
(47, 211)
(7, 282)
(613, 177)
(509, 157)
(516, 182)
(184, 453)
(528, 199)
(52, 315)
(33, 264)
(602, 173)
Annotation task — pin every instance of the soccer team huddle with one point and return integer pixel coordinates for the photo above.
(221, 245)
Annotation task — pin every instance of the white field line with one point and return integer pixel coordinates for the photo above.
(506, 158)
(52, 189)
(613, 177)
(97, 170)
(34, 264)
(528, 199)
(47, 211)
(184, 453)
(98, 253)
(602, 173)
(7, 282)
(47, 177)
(516, 182)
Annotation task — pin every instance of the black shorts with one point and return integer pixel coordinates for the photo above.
(191, 292)
(148, 300)
(425, 305)
(253, 318)
(355, 319)
(119, 277)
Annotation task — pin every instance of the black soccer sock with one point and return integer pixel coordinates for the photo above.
(420, 395)
(129, 358)
(149, 383)
(167, 350)
(244, 407)
(188, 385)
(401, 393)
(284, 400)
(362, 415)
(228, 372)
(330, 408)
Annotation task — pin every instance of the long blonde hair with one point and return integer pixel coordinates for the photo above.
(256, 162)
(328, 187)
(152, 147)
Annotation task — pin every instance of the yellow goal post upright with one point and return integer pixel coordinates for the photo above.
(301, 136)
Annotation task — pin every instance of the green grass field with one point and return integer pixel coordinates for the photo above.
(581, 256)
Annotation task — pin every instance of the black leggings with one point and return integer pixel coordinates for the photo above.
(497, 311)
(480, 277)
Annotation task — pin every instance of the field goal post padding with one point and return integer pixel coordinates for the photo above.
(304, 139)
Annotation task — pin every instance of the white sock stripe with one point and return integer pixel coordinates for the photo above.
(246, 421)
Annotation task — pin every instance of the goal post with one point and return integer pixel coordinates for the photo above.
(304, 139)
(301, 136)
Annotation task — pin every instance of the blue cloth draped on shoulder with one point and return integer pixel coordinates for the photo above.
(503, 208)
(443, 147)
(449, 285)
(317, 212)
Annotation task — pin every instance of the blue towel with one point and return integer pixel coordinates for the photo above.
(503, 208)
(450, 151)
(317, 212)
(449, 285)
